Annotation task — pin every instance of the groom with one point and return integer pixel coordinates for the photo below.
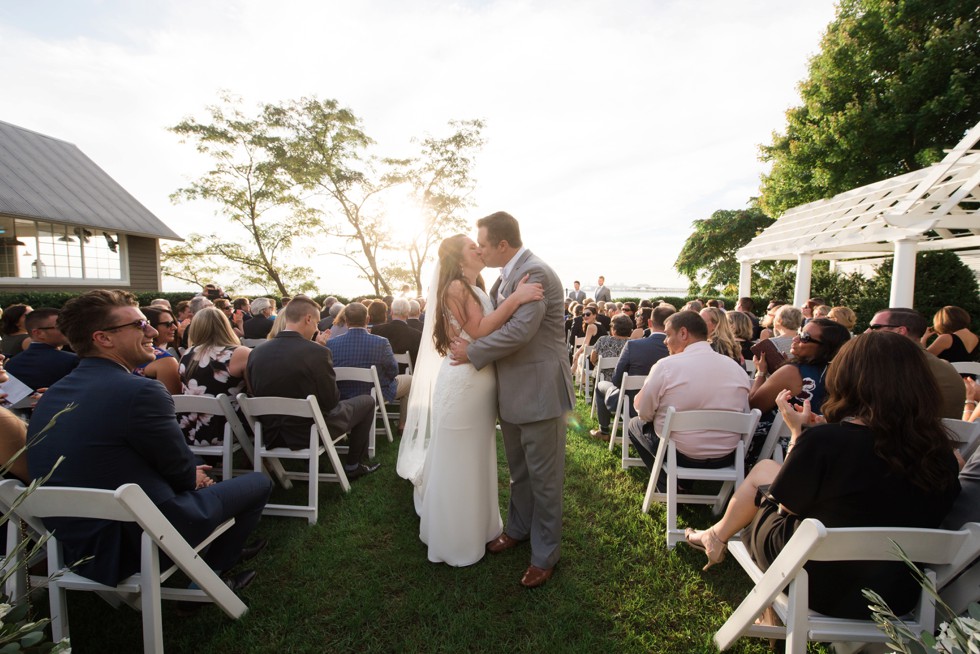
(534, 394)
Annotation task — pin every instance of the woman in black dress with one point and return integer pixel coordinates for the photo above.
(879, 457)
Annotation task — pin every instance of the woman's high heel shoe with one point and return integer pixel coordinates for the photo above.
(709, 543)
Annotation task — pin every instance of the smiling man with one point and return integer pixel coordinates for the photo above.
(121, 429)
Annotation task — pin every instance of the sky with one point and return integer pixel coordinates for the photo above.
(610, 126)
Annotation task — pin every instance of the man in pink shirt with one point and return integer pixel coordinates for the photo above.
(693, 377)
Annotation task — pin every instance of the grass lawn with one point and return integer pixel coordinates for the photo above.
(359, 581)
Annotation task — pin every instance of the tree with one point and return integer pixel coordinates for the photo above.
(895, 82)
(441, 183)
(325, 151)
(254, 192)
(708, 256)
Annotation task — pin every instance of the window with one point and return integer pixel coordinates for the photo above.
(33, 249)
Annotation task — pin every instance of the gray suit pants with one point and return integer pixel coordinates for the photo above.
(536, 457)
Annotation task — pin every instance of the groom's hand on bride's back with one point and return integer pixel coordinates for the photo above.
(457, 352)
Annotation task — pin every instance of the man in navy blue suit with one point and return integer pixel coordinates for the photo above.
(358, 348)
(42, 363)
(637, 358)
(116, 428)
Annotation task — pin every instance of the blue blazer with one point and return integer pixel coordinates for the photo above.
(41, 365)
(638, 357)
(122, 429)
(360, 349)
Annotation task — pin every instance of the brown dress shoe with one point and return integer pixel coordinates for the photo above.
(535, 576)
(600, 435)
(501, 543)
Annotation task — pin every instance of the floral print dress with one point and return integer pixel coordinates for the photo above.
(208, 375)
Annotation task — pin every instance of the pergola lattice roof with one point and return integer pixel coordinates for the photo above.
(938, 205)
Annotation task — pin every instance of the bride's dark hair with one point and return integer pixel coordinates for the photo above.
(450, 270)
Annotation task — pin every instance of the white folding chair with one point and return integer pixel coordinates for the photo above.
(785, 584)
(234, 438)
(750, 366)
(731, 476)
(604, 367)
(128, 503)
(370, 376)
(966, 435)
(404, 359)
(779, 429)
(967, 367)
(585, 373)
(321, 442)
(621, 421)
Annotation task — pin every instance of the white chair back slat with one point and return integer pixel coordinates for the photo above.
(967, 367)
(965, 435)
(370, 376)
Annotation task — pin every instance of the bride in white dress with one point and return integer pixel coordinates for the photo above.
(449, 448)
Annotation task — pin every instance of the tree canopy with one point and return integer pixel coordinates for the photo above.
(894, 83)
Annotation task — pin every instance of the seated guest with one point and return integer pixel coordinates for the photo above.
(812, 351)
(765, 324)
(883, 459)
(844, 316)
(359, 348)
(912, 324)
(339, 325)
(194, 305)
(639, 355)
(955, 342)
(331, 309)
(377, 314)
(629, 310)
(745, 306)
(720, 335)
(261, 322)
(164, 367)
(786, 322)
(414, 314)
(244, 305)
(43, 363)
(402, 337)
(693, 377)
(821, 311)
(235, 319)
(809, 306)
(592, 330)
(115, 428)
(292, 365)
(15, 336)
(214, 364)
(741, 326)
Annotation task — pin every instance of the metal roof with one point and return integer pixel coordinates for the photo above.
(45, 178)
(937, 205)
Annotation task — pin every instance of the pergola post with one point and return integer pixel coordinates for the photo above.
(744, 278)
(903, 273)
(804, 274)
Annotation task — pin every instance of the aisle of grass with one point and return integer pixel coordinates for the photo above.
(359, 580)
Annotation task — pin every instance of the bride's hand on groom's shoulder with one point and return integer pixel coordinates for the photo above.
(528, 292)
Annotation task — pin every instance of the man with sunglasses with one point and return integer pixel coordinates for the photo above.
(43, 362)
(115, 428)
(912, 324)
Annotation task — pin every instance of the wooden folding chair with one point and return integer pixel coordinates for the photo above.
(731, 476)
(604, 367)
(785, 584)
(321, 442)
(370, 376)
(143, 590)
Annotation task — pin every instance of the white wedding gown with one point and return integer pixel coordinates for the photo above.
(459, 511)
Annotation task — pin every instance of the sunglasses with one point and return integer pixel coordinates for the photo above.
(588, 315)
(805, 337)
(877, 327)
(167, 323)
(138, 324)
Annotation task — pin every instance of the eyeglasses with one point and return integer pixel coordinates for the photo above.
(166, 323)
(138, 324)
(588, 315)
(874, 327)
(805, 337)
(44, 329)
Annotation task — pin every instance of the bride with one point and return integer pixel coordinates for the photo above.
(448, 450)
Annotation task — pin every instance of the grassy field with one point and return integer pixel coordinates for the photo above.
(359, 581)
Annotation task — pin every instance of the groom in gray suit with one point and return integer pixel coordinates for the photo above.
(534, 394)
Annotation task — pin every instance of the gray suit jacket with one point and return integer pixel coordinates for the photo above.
(578, 296)
(533, 378)
(602, 294)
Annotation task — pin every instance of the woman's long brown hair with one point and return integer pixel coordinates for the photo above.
(883, 379)
(450, 270)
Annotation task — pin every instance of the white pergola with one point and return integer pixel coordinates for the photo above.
(935, 208)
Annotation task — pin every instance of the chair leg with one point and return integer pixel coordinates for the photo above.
(150, 597)
(796, 618)
(314, 483)
(57, 598)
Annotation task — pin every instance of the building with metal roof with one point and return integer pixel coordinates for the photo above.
(65, 224)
